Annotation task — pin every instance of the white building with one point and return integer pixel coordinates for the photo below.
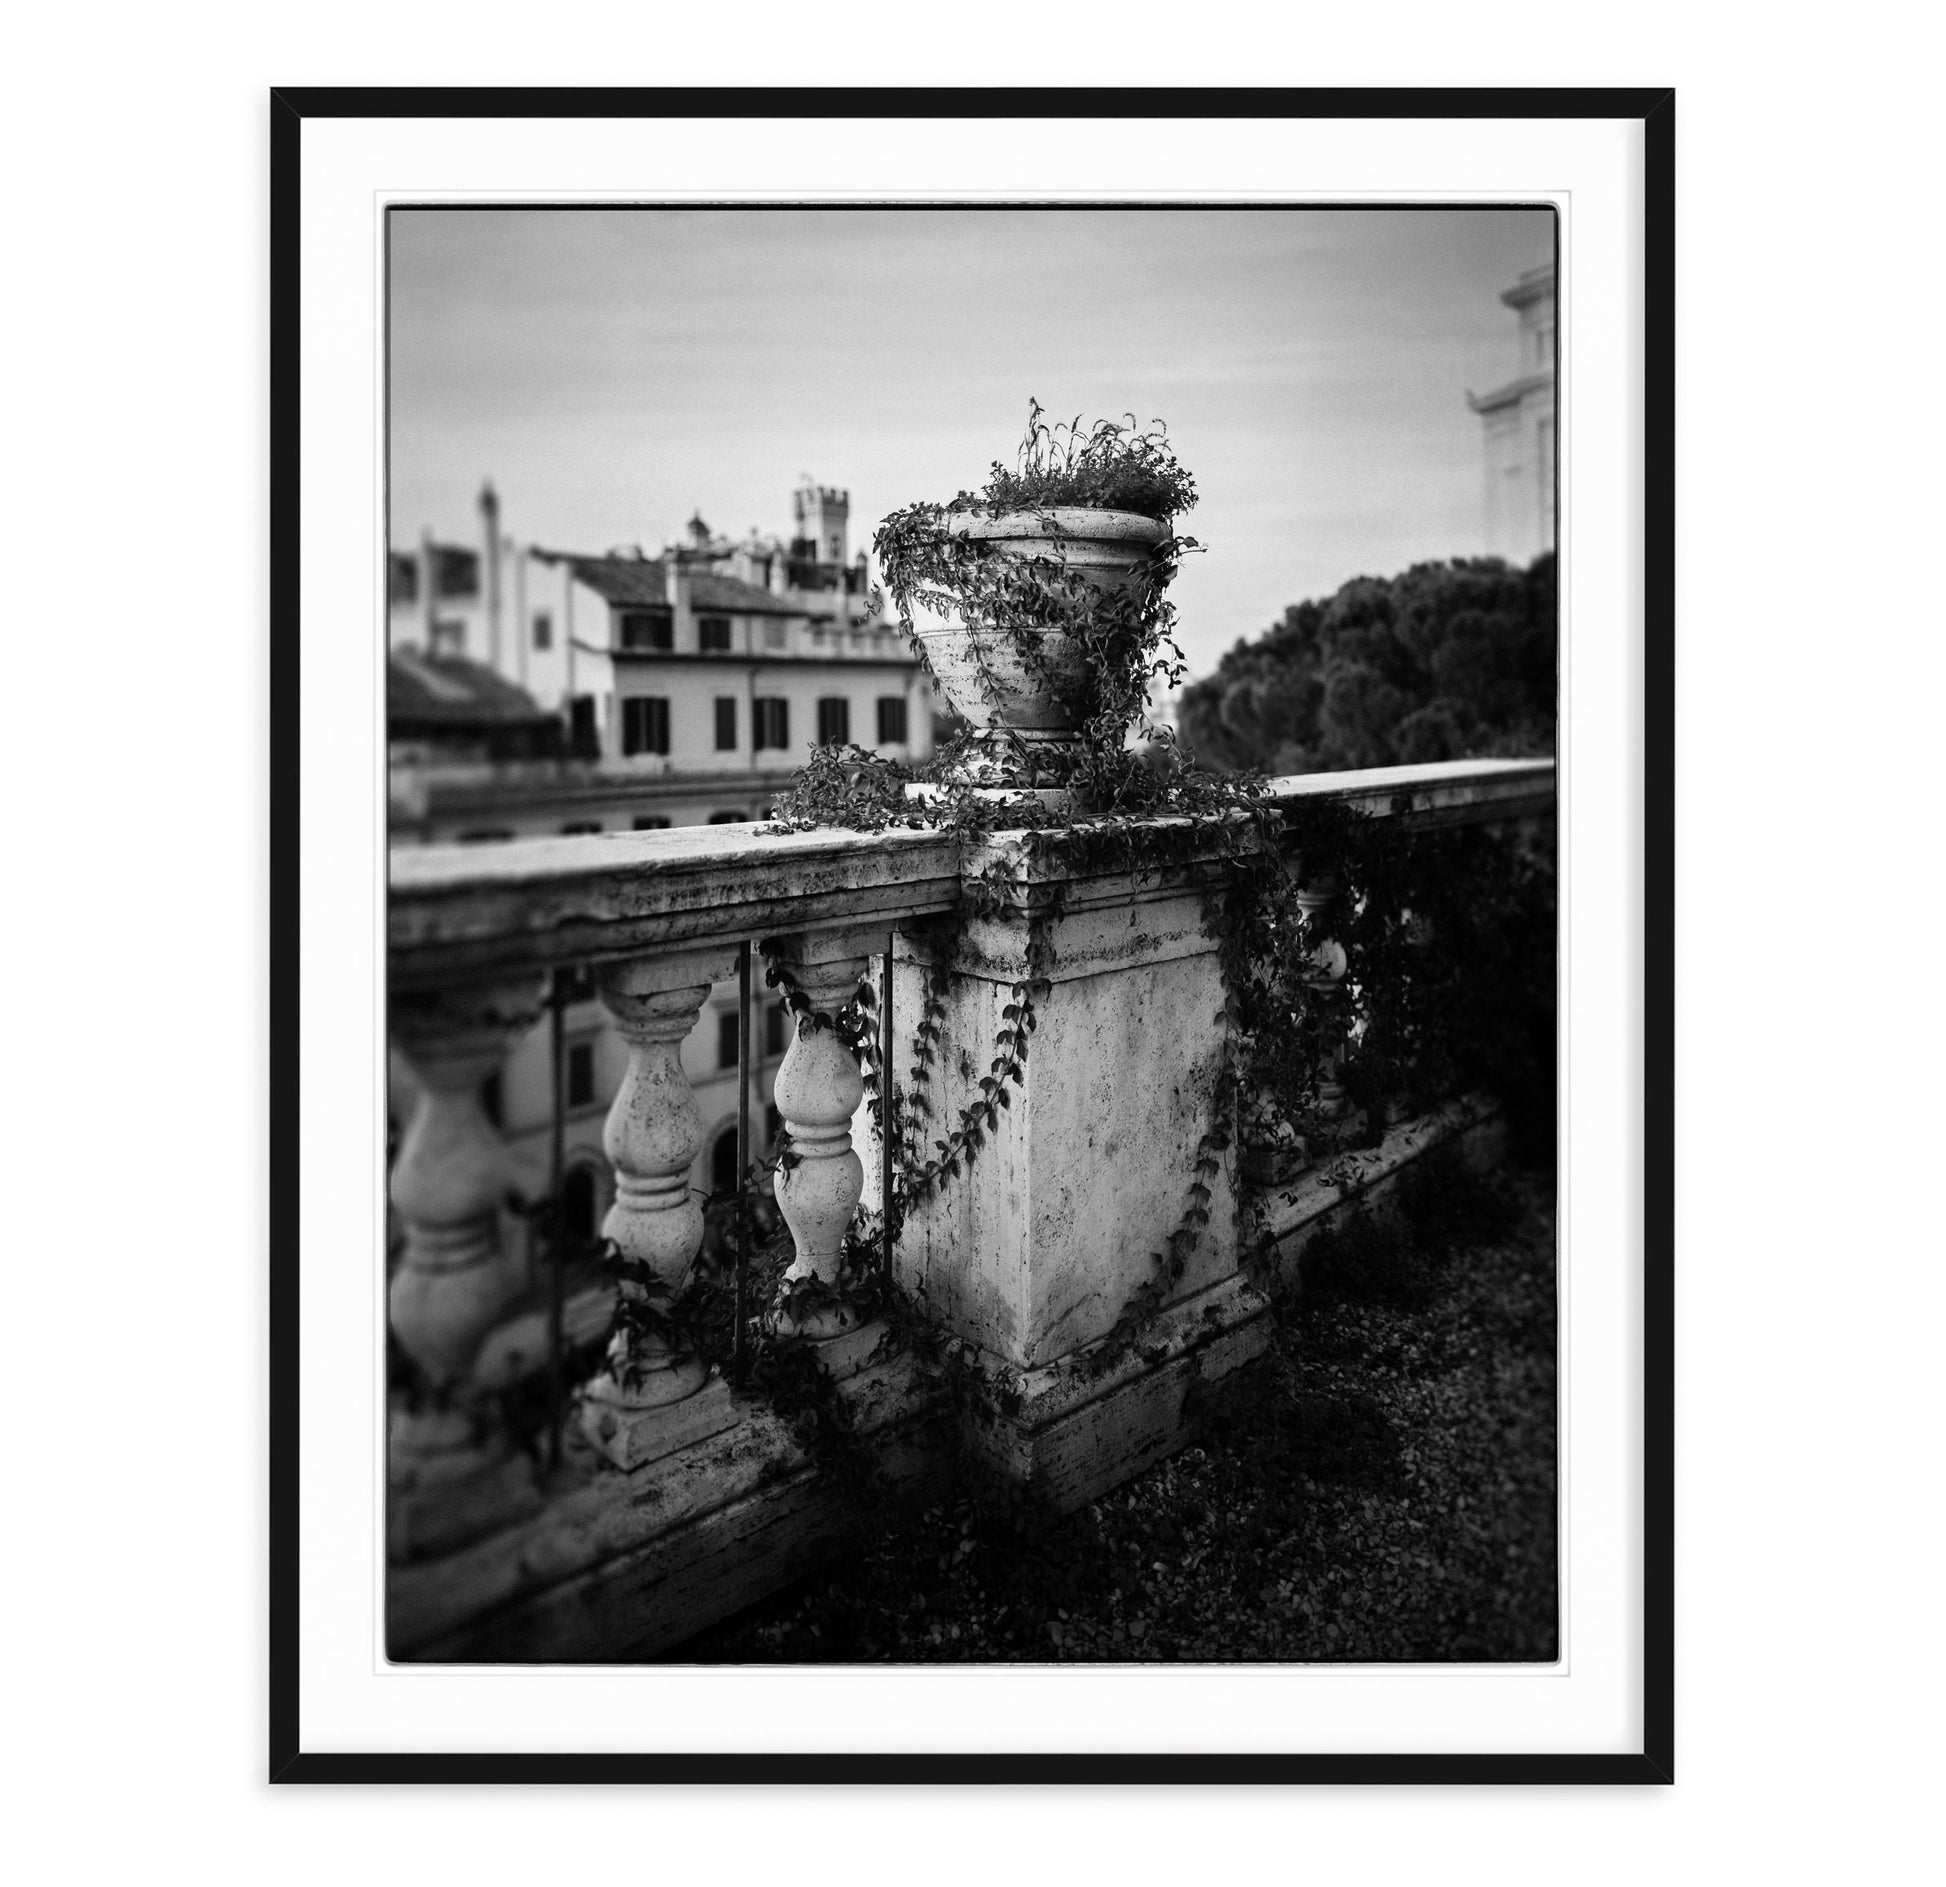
(1518, 426)
(678, 690)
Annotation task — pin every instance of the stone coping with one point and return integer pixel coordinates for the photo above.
(459, 911)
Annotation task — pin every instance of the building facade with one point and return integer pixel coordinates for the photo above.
(1517, 422)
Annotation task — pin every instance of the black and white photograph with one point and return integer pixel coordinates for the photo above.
(972, 934)
(986, 942)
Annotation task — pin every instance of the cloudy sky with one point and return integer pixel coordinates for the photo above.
(614, 371)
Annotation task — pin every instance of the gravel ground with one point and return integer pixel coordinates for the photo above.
(1380, 1486)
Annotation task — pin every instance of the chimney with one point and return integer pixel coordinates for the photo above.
(676, 587)
(490, 531)
(428, 572)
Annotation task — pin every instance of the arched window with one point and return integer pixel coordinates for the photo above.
(723, 1162)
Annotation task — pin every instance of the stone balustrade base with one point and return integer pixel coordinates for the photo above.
(437, 1516)
(623, 1566)
(1287, 1217)
(1077, 1433)
(851, 1351)
(632, 1438)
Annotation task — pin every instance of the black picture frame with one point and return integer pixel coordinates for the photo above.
(1653, 1762)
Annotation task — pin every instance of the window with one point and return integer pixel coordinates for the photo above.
(484, 835)
(401, 578)
(774, 1029)
(834, 720)
(583, 740)
(723, 1162)
(645, 724)
(726, 723)
(726, 1039)
(649, 822)
(713, 634)
(581, 1074)
(448, 637)
(771, 722)
(644, 629)
(891, 720)
(575, 827)
(729, 818)
(543, 629)
(837, 544)
(455, 572)
(773, 1124)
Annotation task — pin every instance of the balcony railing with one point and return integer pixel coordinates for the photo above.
(669, 1497)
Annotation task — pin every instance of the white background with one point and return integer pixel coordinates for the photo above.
(1809, 676)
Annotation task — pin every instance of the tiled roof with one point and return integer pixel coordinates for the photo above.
(627, 580)
(636, 582)
(449, 691)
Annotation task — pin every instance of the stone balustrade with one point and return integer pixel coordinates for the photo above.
(1026, 1259)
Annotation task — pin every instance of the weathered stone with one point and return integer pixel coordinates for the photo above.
(1076, 1433)
(651, 1138)
(625, 1565)
(1286, 1218)
(1035, 1250)
(450, 1480)
(818, 1090)
(632, 1433)
(449, 1181)
(459, 910)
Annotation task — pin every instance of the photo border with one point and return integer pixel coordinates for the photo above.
(1655, 109)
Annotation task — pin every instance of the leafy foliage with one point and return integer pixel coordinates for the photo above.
(1110, 466)
(1097, 649)
(1445, 662)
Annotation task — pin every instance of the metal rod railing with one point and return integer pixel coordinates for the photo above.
(885, 1147)
(742, 1208)
(557, 1237)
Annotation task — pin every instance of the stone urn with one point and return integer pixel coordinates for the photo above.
(1019, 686)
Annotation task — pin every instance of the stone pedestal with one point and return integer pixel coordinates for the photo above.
(631, 1430)
(1034, 1252)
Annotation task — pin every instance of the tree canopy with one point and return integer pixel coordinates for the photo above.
(1449, 661)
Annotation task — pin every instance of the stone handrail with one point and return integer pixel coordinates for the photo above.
(529, 904)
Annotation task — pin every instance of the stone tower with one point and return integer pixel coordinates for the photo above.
(821, 513)
(1517, 422)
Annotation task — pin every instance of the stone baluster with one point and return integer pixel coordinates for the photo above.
(452, 1475)
(1328, 963)
(818, 1090)
(652, 1399)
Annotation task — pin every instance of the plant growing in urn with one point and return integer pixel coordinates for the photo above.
(1038, 603)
